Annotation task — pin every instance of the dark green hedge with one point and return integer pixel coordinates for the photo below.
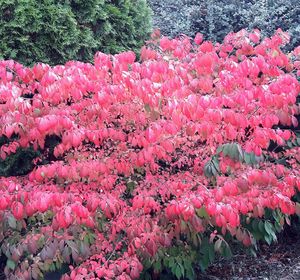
(55, 31)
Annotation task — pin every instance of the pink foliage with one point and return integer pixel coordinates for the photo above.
(162, 118)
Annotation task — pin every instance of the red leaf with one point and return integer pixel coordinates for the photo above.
(198, 39)
(17, 210)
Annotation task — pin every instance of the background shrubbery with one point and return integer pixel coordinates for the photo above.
(216, 18)
(55, 31)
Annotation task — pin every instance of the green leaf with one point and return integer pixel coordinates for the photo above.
(171, 262)
(147, 108)
(289, 144)
(157, 266)
(227, 252)
(214, 171)
(178, 272)
(240, 153)
(253, 159)
(84, 249)
(201, 212)
(276, 216)
(130, 186)
(92, 238)
(52, 267)
(268, 239)
(181, 269)
(12, 222)
(208, 170)
(204, 262)
(220, 149)
(204, 246)
(278, 227)
(247, 158)
(261, 226)
(86, 239)
(215, 162)
(11, 264)
(254, 225)
(269, 228)
(257, 235)
(274, 237)
(211, 253)
(41, 241)
(226, 149)
(234, 152)
(189, 271)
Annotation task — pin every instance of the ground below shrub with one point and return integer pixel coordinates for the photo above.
(278, 261)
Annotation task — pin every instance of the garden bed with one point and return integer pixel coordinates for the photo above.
(278, 261)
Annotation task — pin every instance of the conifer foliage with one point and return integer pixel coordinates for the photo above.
(55, 31)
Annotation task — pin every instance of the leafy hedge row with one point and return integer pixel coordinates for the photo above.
(55, 31)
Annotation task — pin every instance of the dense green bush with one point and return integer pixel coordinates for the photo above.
(55, 31)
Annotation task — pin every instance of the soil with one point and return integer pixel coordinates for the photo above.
(279, 261)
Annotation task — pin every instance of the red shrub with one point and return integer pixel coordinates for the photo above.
(175, 144)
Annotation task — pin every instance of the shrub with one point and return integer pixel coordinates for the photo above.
(55, 31)
(217, 18)
(156, 165)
